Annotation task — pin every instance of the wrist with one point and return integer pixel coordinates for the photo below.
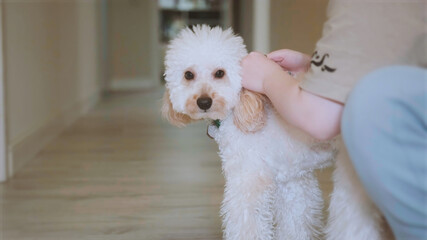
(277, 81)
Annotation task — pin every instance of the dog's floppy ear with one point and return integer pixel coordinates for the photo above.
(175, 118)
(249, 113)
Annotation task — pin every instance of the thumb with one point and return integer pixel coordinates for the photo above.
(290, 59)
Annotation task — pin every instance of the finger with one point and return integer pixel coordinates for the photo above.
(289, 59)
(278, 55)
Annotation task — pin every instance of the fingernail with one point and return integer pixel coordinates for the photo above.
(277, 59)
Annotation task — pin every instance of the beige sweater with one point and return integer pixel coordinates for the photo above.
(361, 36)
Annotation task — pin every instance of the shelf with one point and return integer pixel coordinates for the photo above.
(201, 14)
(190, 10)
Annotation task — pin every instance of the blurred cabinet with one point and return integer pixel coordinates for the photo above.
(177, 14)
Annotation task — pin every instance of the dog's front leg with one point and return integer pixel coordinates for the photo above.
(298, 205)
(246, 209)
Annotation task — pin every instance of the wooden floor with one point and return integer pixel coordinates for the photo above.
(119, 172)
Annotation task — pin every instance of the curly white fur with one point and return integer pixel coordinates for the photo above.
(352, 214)
(271, 191)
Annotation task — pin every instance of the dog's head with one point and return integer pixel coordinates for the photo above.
(203, 79)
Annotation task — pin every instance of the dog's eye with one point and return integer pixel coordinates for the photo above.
(219, 74)
(189, 75)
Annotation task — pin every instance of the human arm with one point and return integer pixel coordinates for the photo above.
(318, 116)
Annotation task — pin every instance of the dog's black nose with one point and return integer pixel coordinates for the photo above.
(204, 103)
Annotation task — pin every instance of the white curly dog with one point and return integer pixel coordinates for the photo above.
(271, 191)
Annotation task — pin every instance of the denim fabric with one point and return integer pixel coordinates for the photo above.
(384, 128)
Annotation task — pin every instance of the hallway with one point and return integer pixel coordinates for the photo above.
(119, 172)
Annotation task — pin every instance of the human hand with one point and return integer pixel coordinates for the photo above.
(291, 60)
(256, 69)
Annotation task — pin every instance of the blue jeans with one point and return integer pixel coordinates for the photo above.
(384, 128)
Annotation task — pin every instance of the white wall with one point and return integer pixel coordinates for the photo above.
(51, 70)
(133, 44)
(3, 149)
(261, 22)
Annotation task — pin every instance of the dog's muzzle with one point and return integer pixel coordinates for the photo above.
(204, 103)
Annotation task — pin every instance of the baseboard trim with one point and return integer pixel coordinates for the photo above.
(27, 148)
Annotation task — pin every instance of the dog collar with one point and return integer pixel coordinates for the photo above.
(213, 128)
(217, 123)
